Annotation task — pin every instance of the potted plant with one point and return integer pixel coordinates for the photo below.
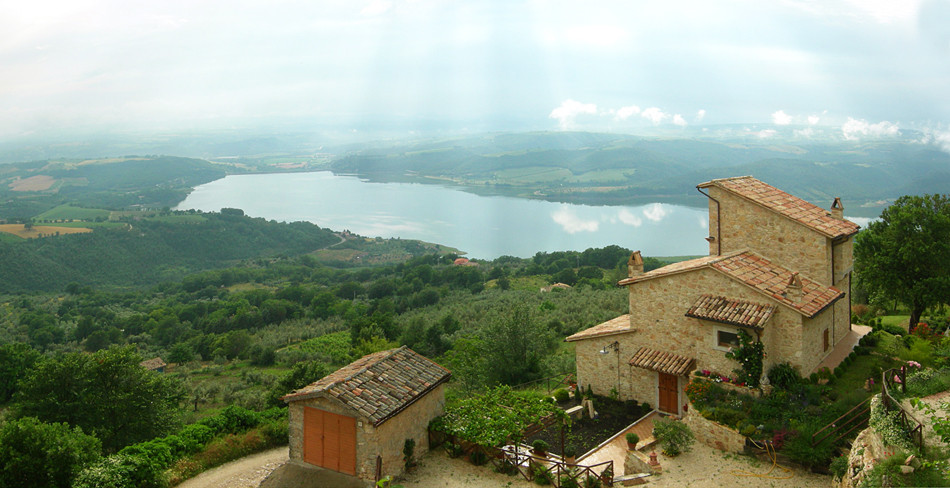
(632, 440)
(539, 447)
(570, 454)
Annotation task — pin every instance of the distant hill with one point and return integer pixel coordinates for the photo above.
(621, 169)
(148, 251)
(29, 189)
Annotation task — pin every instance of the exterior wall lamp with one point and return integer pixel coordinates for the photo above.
(611, 347)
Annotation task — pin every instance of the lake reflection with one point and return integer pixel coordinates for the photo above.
(484, 227)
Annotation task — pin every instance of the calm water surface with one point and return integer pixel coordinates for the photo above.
(483, 227)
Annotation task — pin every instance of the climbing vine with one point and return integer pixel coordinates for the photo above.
(497, 416)
(749, 354)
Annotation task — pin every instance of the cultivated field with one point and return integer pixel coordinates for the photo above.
(40, 230)
(33, 183)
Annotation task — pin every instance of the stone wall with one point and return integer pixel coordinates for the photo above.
(744, 224)
(714, 435)
(659, 305)
(412, 422)
(387, 440)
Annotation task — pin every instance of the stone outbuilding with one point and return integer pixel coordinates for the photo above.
(778, 268)
(154, 364)
(357, 419)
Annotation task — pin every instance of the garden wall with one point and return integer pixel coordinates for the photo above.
(713, 434)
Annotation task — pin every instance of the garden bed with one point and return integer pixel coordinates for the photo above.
(585, 434)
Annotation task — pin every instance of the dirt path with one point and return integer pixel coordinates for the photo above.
(702, 467)
(247, 472)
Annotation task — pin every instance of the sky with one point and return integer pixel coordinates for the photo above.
(854, 68)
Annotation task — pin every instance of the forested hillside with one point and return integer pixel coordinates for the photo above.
(29, 189)
(616, 169)
(145, 251)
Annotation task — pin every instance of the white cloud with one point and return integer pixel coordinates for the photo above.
(700, 115)
(781, 118)
(813, 119)
(377, 7)
(626, 112)
(569, 110)
(629, 218)
(855, 129)
(656, 212)
(765, 133)
(939, 138)
(655, 115)
(679, 120)
(805, 133)
(573, 224)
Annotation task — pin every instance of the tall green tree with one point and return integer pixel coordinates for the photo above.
(15, 360)
(107, 394)
(515, 347)
(34, 454)
(906, 254)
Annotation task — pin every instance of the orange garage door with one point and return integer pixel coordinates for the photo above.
(329, 440)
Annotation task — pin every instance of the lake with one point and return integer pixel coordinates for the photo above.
(482, 226)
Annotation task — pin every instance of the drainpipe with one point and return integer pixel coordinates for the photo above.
(718, 222)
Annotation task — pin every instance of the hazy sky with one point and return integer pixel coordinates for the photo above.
(864, 67)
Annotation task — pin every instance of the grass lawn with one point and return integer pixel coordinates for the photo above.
(69, 212)
(898, 320)
(863, 367)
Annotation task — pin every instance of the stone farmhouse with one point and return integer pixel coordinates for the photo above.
(356, 420)
(778, 268)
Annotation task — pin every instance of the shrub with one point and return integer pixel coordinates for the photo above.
(34, 453)
(633, 438)
(453, 450)
(839, 466)
(232, 420)
(568, 480)
(561, 395)
(116, 471)
(592, 482)
(674, 436)
(478, 457)
(506, 467)
(540, 445)
(542, 475)
(784, 376)
(408, 453)
(799, 449)
(646, 407)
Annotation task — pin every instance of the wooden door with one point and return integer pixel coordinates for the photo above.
(668, 397)
(329, 440)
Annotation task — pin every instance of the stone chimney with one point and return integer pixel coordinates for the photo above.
(837, 209)
(634, 265)
(793, 290)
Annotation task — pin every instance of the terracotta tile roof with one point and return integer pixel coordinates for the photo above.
(772, 280)
(674, 268)
(662, 361)
(759, 273)
(790, 206)
(153, 364)
(610, 327)
(728, 311)
(378, 385)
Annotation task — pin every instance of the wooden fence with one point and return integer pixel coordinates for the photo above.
(519, 459)
(891, 379)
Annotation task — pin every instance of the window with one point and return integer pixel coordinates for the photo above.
(727, 339)
(826, 341)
